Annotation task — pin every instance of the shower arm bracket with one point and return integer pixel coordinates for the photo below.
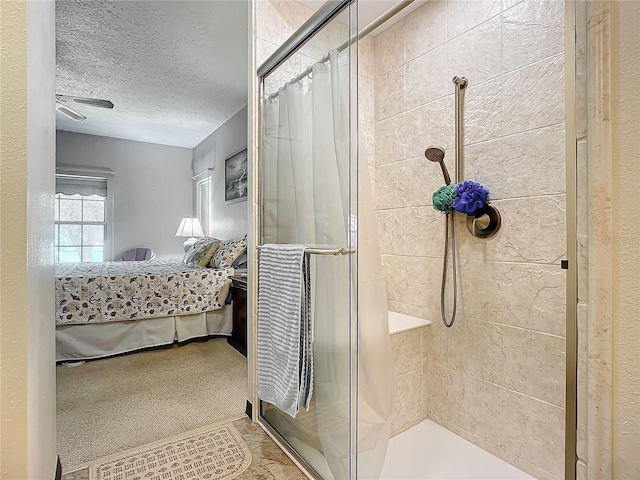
(485, 223)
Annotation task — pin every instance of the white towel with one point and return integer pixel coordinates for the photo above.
(285, 354)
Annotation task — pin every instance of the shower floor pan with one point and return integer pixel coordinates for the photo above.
(429, 451)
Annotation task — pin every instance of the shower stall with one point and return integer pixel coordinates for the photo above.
(350, 100)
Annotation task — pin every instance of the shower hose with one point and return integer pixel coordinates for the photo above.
(449, 323)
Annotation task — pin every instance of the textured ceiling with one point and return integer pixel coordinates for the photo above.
(175, 70)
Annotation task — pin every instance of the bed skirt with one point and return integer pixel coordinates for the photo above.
(99, 340)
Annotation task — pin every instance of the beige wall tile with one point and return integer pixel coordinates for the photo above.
(476, 348)
(479, 289)
(263, 50)
(389, 49)
(395, 271)
(366, 99)
(476, 54)
(534, 364)
(463, 15)
(426, 78)
(533, 163)
(389, 90)
(482, 112)
(533, 296)
(533, 96)
(469, 247)
(389, 186)
(483, 163)
(525, 164)
(533, 230)
(430, 124)
(534, 431)
(424, 232)
(366, 57)
(521, 425)
(477, 406)
(426, 28)
(531, 31)
(408, 401)
(278, 19)
(435, 390)
(391, 231)
(509, 3)
(437, 340)
(423, 282)
(367, 147)
(423, 177)
(407, 351)
(391, 139)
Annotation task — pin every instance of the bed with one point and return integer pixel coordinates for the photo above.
(104, 309)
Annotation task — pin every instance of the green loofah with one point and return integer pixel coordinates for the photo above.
(443, 198)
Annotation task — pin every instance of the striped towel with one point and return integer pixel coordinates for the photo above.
(285, 355)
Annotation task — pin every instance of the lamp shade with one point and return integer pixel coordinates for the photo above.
(190, 227)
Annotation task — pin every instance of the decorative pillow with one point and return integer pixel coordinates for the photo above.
(229, 252)
(198, 248)
(203, 255)
(242, 259)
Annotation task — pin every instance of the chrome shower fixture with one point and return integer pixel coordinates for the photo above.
(462, 81)
(436, 154)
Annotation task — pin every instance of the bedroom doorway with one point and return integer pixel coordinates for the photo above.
(153, 348)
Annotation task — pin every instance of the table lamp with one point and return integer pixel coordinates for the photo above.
(189, 227)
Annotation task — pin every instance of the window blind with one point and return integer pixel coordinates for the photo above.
(75, 184)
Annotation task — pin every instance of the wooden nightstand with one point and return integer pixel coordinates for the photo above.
(238, 338)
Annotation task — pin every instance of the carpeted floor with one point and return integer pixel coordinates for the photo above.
(111, 405)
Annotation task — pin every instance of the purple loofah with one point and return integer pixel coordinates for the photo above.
(471, 197)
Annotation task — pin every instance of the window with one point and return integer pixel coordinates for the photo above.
(80, 221)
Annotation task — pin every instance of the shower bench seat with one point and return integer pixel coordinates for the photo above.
(410, 337)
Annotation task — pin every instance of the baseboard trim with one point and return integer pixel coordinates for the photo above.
(249, 410)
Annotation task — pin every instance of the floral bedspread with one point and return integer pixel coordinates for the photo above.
(116, 291)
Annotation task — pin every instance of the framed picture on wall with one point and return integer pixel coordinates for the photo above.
(235, 177)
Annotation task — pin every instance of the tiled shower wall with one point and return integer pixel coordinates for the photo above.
(496, 377)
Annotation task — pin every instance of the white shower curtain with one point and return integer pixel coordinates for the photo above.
(306, 184)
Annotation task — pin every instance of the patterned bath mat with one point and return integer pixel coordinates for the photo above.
(218, 453)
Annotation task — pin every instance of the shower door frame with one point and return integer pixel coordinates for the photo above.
(571, 265)
(325, 14)
(322, 16)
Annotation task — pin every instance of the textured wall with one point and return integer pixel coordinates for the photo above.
(626, 241)
(151, 188)
(41, 138)
(13, 245)
(27, 367)
(229, 221)
(496, 377)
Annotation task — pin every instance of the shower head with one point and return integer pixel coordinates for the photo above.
(436, 154)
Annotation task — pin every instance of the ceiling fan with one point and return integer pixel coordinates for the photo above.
(63, 103)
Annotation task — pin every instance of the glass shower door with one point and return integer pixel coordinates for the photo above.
(307, 176)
